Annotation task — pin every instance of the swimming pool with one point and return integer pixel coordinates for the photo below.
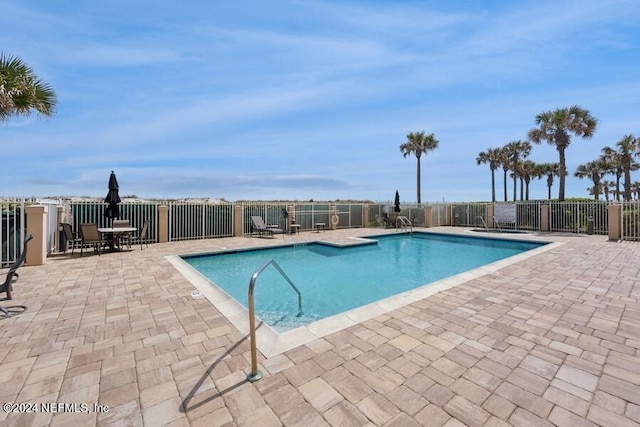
(337, 279)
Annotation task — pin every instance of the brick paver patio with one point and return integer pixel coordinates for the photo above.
(551, 340)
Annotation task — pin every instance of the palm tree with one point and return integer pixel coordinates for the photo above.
(613, 160)
(515, 151)
(491, 156)
(594, 171)
(607, 187)
(418, 143)
(627, 147)
(549, 170)
(518, 175)
(635, 189)
(21, 91)
(528, 171)
(555, 128)
(540, 171)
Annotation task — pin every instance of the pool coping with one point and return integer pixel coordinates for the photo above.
(271, 342)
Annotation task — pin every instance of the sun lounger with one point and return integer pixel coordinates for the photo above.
(262, 229)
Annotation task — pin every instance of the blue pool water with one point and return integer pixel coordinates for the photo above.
(333, 280)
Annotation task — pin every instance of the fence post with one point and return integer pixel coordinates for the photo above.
(614, 218)
(237, 220)
(365, 216)
(163, 224)
(490, 214)
(60, 219)
(428, 216)
(544, 217)
(37, 227)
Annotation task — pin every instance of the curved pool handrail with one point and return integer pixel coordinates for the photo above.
(404, 222)
(486, 227)
(255, 374)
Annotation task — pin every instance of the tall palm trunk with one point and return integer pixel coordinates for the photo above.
(627, 185)
(562, 173)
(627, 178)
(505, 184)
(418, 184)
(515, 183)
(493, 186)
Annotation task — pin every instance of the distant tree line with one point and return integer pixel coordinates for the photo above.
(556, 128)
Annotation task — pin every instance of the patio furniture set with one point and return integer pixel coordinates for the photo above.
(113, 238)
(262, 229)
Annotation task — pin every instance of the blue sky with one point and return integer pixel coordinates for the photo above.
(308, 99)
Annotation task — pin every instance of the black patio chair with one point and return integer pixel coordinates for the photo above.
(72, 238)
(10, 278)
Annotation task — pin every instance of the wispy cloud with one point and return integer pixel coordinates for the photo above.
(100, 55)
(308, 99)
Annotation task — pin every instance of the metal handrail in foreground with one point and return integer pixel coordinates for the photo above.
(255, 374)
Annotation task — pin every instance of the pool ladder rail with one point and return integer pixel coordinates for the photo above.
(486, 227)
(404, 223)
(255, 374)
(495, 221)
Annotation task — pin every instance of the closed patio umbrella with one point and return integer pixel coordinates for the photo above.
(396, 203)
(113, 198)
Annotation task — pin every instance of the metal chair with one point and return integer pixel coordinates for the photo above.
(125, 236)
(91, 237)
(72, 238)
(142, 236)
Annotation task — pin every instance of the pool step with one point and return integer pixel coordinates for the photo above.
(288, 320)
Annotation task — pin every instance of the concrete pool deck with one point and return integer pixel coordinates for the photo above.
(550, 339)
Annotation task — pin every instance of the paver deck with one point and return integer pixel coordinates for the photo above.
(118, 339)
